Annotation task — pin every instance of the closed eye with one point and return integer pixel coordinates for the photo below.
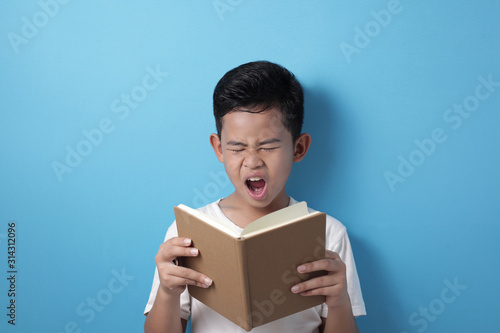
(269, 148)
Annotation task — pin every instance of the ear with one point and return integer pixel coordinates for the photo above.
(302, 145)
(216, 145)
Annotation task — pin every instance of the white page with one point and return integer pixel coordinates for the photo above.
(216, 223)
(269, 221)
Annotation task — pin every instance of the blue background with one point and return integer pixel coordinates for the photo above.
(373, 88)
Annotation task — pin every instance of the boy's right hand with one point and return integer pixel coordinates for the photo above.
(173, 278)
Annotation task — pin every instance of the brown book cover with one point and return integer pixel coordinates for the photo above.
(253, 273)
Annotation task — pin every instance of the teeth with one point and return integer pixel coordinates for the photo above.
(254, 179)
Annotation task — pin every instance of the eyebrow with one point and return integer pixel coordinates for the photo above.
(262, 143)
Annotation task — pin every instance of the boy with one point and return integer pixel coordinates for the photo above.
(258, 109)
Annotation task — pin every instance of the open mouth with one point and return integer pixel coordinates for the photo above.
(256, 187)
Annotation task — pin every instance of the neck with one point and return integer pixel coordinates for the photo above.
(241, 213)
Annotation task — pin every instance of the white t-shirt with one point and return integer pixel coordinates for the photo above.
(206, 320)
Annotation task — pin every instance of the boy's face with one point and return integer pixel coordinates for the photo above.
(258, 153)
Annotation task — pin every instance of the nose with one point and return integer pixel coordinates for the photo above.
(253, 160)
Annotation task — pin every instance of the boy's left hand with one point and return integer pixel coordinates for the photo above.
(333, 285)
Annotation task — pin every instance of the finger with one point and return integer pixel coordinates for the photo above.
(176, 281)
(169, 251)
(332, 255)
(183, 275)
(317, 292)
(169, 254)
(179, 241)
(322, 285)
(330, 265)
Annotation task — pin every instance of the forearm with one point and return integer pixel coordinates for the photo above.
(165, 316)
(340, 319)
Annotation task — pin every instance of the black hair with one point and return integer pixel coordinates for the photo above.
(257, 86)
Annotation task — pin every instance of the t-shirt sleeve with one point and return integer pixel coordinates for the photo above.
(185, 298)
(338, 241)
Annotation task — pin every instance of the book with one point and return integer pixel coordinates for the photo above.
(253, 272)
